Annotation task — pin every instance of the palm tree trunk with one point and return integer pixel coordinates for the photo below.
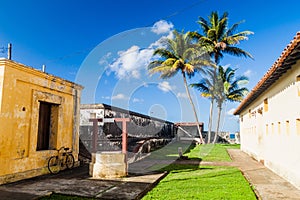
(218, 123)
(210, 119)
(193, 106)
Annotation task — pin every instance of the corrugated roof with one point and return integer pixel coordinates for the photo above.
(288, 57)
(122, 110)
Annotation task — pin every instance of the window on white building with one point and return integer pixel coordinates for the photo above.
(298, 84)
(287, 126)
(266, 106)
(298, 126)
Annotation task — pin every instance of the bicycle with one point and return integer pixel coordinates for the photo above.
(64, 159)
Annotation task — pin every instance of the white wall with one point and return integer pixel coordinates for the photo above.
(272, 136)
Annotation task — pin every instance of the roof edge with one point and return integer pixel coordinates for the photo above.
(278, 63)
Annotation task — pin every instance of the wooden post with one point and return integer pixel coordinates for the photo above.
(124, 133)
(95, 134)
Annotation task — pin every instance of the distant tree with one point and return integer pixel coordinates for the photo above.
(180, 55)
(228, 88)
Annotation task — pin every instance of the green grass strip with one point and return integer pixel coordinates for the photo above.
(208, 182)
(211, 152)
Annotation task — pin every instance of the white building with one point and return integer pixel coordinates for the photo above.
(270, 116)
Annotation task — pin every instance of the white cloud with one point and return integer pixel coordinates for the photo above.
(136, 100)
(131, 61)
(119, 96)
(165, 86)
(105, 97)
(231, 111)
(181, 95)
(104, 59)
(248, 73)
(162, 27)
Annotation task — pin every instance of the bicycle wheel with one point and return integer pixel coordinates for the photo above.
(53, 165)
(70, 161)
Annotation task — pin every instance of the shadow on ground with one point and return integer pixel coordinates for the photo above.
(77, 182)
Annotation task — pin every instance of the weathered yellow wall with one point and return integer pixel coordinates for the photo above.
(22, 89)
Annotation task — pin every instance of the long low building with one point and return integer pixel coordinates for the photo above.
(109, 133)
(270, 116)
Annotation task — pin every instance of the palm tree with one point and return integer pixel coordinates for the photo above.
(207, 88)
(228, 88)
(218, 38)
(180, 55)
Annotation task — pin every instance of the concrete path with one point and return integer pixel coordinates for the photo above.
(267, 184)
(77, 182)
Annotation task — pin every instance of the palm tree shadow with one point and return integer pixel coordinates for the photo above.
(183, 164)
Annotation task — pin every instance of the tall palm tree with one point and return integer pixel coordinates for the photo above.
(228, 89)
(207, 88)
(180, 55)
(220, 39)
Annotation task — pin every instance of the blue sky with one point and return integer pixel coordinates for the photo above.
(105, 44)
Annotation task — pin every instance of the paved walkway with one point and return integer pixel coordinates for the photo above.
(267, 184)
(77, 182)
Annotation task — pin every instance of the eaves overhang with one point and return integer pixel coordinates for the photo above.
(289, 57)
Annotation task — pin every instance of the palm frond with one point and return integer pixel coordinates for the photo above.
(164, 53)
(237, 52)
(155, 63)
(202, 86)
(204, 25)
(211, 33)
(236, 38)
(233, 28)
(221, 39)
(160, 69)
(195, 35)
(241, 80)
(169, 62)
(168, 74)
(221, 28)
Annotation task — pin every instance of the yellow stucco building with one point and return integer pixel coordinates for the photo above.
(38, 114)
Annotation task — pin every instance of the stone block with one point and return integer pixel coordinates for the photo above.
(108, 165)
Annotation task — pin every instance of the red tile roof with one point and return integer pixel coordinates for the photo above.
(288, 57)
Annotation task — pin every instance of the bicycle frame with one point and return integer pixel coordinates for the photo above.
(64, 159)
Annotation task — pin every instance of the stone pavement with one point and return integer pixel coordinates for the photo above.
(77, 182)
(267, 184)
